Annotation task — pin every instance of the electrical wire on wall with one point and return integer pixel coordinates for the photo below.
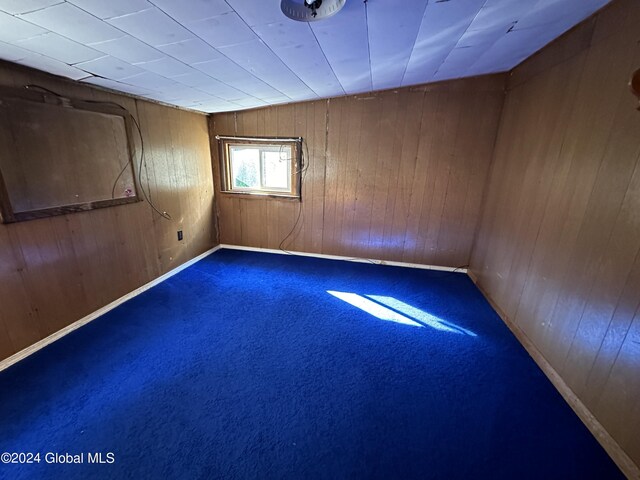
(304, 166)
(142, 161)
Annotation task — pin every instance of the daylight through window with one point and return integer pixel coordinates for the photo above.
(262, 166)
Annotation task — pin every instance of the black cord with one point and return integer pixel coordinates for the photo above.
(303, 174)
(164, 215)
(448, 273)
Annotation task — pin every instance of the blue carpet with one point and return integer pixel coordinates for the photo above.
(244, 366)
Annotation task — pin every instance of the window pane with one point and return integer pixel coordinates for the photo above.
(245, 167)
(276, 168)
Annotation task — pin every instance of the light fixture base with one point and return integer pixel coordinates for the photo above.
(310, 10)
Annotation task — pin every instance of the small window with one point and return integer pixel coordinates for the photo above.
(260, 166)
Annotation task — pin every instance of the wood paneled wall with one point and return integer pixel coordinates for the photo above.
(57, 270)
(395, 175)
(558, 250)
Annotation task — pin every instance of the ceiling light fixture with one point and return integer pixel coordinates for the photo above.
(310, 10)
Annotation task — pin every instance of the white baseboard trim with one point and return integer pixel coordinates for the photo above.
(347, 259)
(16, 357)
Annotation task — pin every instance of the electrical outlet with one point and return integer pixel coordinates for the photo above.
(180, 236)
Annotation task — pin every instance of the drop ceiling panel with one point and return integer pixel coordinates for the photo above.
(128, 49)
(211, 86)
(295, 44)
(443, 24)
(345, 41)
(392, 33)
(150, 81)
(196, 9)
(254, 15)
(12, 29)
(191, 51)
(221, 55)
(115, 85)
(111, 8)
(48, 64)
(232, 74)
(59, 47)
(509, 50)
(24, 6)
(459, 59)
(11, 53)
(260, 61)
(223, 30)
(166, 66)
(110, 67)
(72, 22)
(152, 26)
(501, 13)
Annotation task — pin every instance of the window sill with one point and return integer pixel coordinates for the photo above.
(262, 196)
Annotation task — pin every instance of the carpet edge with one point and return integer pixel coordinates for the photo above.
(31, 349)
(603, 437)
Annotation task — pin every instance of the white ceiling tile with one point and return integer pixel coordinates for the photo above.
(511, 49)
(250, 13)
(152, 26)
(277, 99)
(442, 26)
(216, 106)
(224, 91)
(230, 73)
(501, 13)
(11, 53)
(110, 67)
(111, 8)
(182, 95)
(73, 23)
(24, 6)
(191, 51)
(205, 83)
(457, 62)
(197, 9)
(232, 66)
(118, 86)
(250, 102)
(50, 65)
(128, 49)
(59, 47)
(258, 60)
(310, 65)
(285, 34)
(344, 40)
(150, 80)
(12, 28)
(295, 44)
(392, 35)
(195, 78)
(549, 12)
(223, 30)
(484, 37)
(166, 66)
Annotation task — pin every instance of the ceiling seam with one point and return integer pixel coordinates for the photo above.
(216, 49)
(465, 31)
(415, 40)
(125, 34)
(326, 58)
(366, 20)
(487, 50)
(225, 56)
(271, 50)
